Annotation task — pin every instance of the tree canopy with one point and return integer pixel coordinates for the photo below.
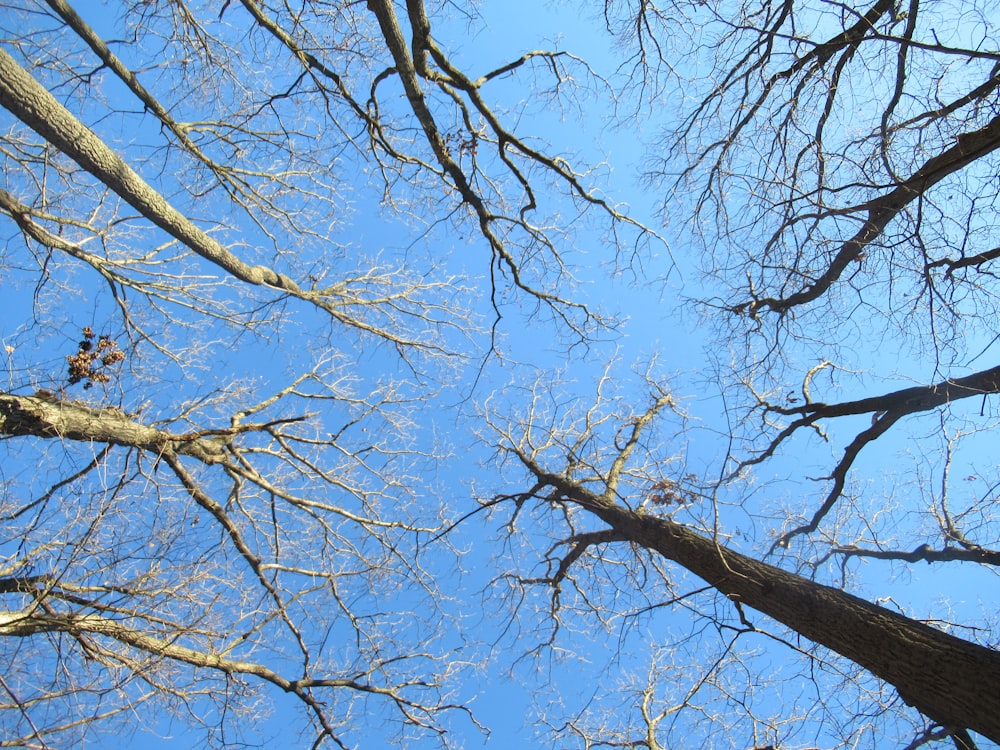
(598, 375)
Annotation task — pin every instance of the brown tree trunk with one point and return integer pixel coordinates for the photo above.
(954, 682)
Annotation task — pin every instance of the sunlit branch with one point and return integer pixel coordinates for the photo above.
(26, 624)
(25, 98)
(49, 417)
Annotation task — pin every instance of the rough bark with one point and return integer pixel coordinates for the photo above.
(50, 417)
(954, 682)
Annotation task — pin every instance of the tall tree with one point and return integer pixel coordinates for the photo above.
(606, 467)
(837, 170)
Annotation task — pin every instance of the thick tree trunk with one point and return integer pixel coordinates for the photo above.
(952, 681)
(50, 417)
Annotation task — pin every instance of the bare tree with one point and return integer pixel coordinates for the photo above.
(609, 464)
(179, 563)
(837, 168)
(842, 161)
(177, 190)
(859, 142)
(198, 197)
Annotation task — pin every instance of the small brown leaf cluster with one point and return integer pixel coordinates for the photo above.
(666, 491)
(91, 360)
(465, 145)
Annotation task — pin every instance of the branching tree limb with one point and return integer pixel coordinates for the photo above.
(938, 673)
(165, 612)
(886, 410)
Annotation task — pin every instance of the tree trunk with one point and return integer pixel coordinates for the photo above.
(51, 417)
(27, 99)
(954, 682)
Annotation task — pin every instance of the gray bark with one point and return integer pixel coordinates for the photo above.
(28, 100)
(49, 417)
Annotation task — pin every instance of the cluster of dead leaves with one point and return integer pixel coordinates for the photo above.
(93, 359)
